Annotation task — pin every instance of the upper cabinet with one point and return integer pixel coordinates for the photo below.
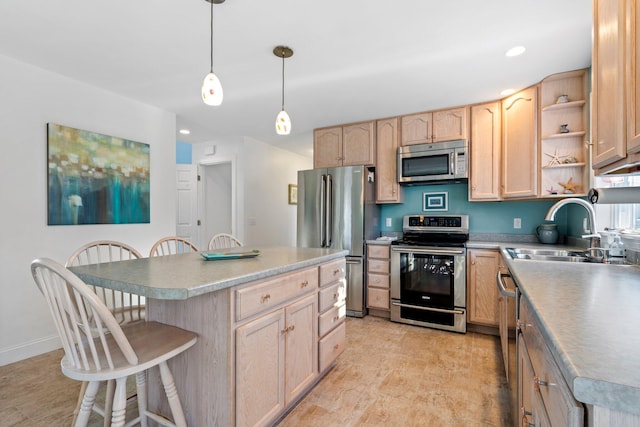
(387, 139)
(435, 126)
(520, 145)
(484, 159)
(564, 125)
(349, 145)
(616, 125)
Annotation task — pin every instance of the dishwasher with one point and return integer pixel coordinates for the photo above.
(508, 308)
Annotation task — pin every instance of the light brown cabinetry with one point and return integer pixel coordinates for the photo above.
(564, 128)
(520, 145)
(483, 266)
(616, 125)
(348, 145)
(387, 139)
(542, 385)
(378, 271)
(435, 126)
(485, 145)
(332, 311)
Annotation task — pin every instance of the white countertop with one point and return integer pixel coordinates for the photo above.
(188, 275)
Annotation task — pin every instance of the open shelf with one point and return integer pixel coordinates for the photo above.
(565, 165)
(564, 135)
(564, 105)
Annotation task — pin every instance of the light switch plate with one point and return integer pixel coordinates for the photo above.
(517, 223)
(387, 222)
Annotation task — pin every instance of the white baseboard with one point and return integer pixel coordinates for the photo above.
(29, 349)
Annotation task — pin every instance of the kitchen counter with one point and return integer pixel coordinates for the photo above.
(590, 317)
(177, 277)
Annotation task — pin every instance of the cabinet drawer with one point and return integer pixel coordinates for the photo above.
(560, 405)
(378, 280)
(331, 296)
(270, 293)
(378, 298)
(332, 271)
(332, 346)
(331, 319)
(378, 251)
(378, 266)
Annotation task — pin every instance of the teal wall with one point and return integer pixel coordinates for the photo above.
(183, 153)
(484, 217)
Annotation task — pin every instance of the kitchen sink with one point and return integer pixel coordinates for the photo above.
(536, 254)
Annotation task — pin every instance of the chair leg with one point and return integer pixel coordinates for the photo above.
(119, 403)
(172, 395)
(88, 400)
(76, 411)
(108, 402)
(141, 389)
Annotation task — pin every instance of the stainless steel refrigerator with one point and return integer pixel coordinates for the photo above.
(336, 209)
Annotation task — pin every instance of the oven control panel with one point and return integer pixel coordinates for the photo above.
(427, 223)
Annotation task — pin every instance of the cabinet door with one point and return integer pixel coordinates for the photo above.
(608, 82)
(482, 290)
(525, 387)
(387, 188)
(327, 147)
(484, 177)
(358, 144)
(520, 145)
(451, 124)
(301, 353)
(417, 129)
(633, 76)
(260, 362)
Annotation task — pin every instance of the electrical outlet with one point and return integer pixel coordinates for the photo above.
(387, 222)
(517, 223)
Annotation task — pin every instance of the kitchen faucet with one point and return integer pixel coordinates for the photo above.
(594, 236)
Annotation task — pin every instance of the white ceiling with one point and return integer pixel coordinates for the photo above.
(353, 59)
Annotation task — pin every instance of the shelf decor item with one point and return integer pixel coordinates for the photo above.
(556, 159)
(562, 99)
(564, 128)
(570, 187)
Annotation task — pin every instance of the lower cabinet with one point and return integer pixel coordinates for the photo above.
(482, 304)
(378, 273)
(332, 308)
(275, 361)
(544, 397)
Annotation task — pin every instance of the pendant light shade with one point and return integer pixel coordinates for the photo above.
(283, 121)
(211, 87)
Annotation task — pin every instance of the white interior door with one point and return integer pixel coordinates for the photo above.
(217, 201)
(187, 202)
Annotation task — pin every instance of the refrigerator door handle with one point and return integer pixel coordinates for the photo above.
(329, 211)
(323, 211)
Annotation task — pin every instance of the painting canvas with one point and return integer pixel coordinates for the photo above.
(95, 178)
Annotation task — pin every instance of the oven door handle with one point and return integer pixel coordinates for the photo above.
(429, 251)
(501, 287)
(418, 307)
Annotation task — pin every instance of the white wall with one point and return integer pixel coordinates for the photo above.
(29, 98)
(263, 174)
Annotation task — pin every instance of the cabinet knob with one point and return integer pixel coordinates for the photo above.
(304, 284)
(520, 325)
(537, 383)
(265, 298)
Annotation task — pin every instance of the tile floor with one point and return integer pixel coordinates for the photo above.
(390, 375)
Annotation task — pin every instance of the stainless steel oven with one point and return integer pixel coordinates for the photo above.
(428, 272)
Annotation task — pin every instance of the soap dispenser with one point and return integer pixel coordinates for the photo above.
(616, 248)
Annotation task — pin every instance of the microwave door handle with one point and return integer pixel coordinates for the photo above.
(323, 210)
(452, 163)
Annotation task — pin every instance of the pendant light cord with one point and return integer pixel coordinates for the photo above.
(211, 26)
(282, 79)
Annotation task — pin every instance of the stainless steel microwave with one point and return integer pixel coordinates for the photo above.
(438, 161)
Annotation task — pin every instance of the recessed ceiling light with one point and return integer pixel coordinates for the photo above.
(184, 131)
(507, 92)
(515, 51)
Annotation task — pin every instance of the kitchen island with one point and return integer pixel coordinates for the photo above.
(269, 327)
(587, 315)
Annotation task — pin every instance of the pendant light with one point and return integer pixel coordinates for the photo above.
(283, 122)
(211, 86)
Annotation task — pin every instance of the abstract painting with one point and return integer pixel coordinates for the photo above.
(95, 178)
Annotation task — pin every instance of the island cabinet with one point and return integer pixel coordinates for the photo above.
(388, 190)
(616, 89)
(435, 126)
(484, 147)
(378, 273)
(483, 266)
(520, 145)
(276, 352)
(543, 393)
(332, 300)
(348, 145)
